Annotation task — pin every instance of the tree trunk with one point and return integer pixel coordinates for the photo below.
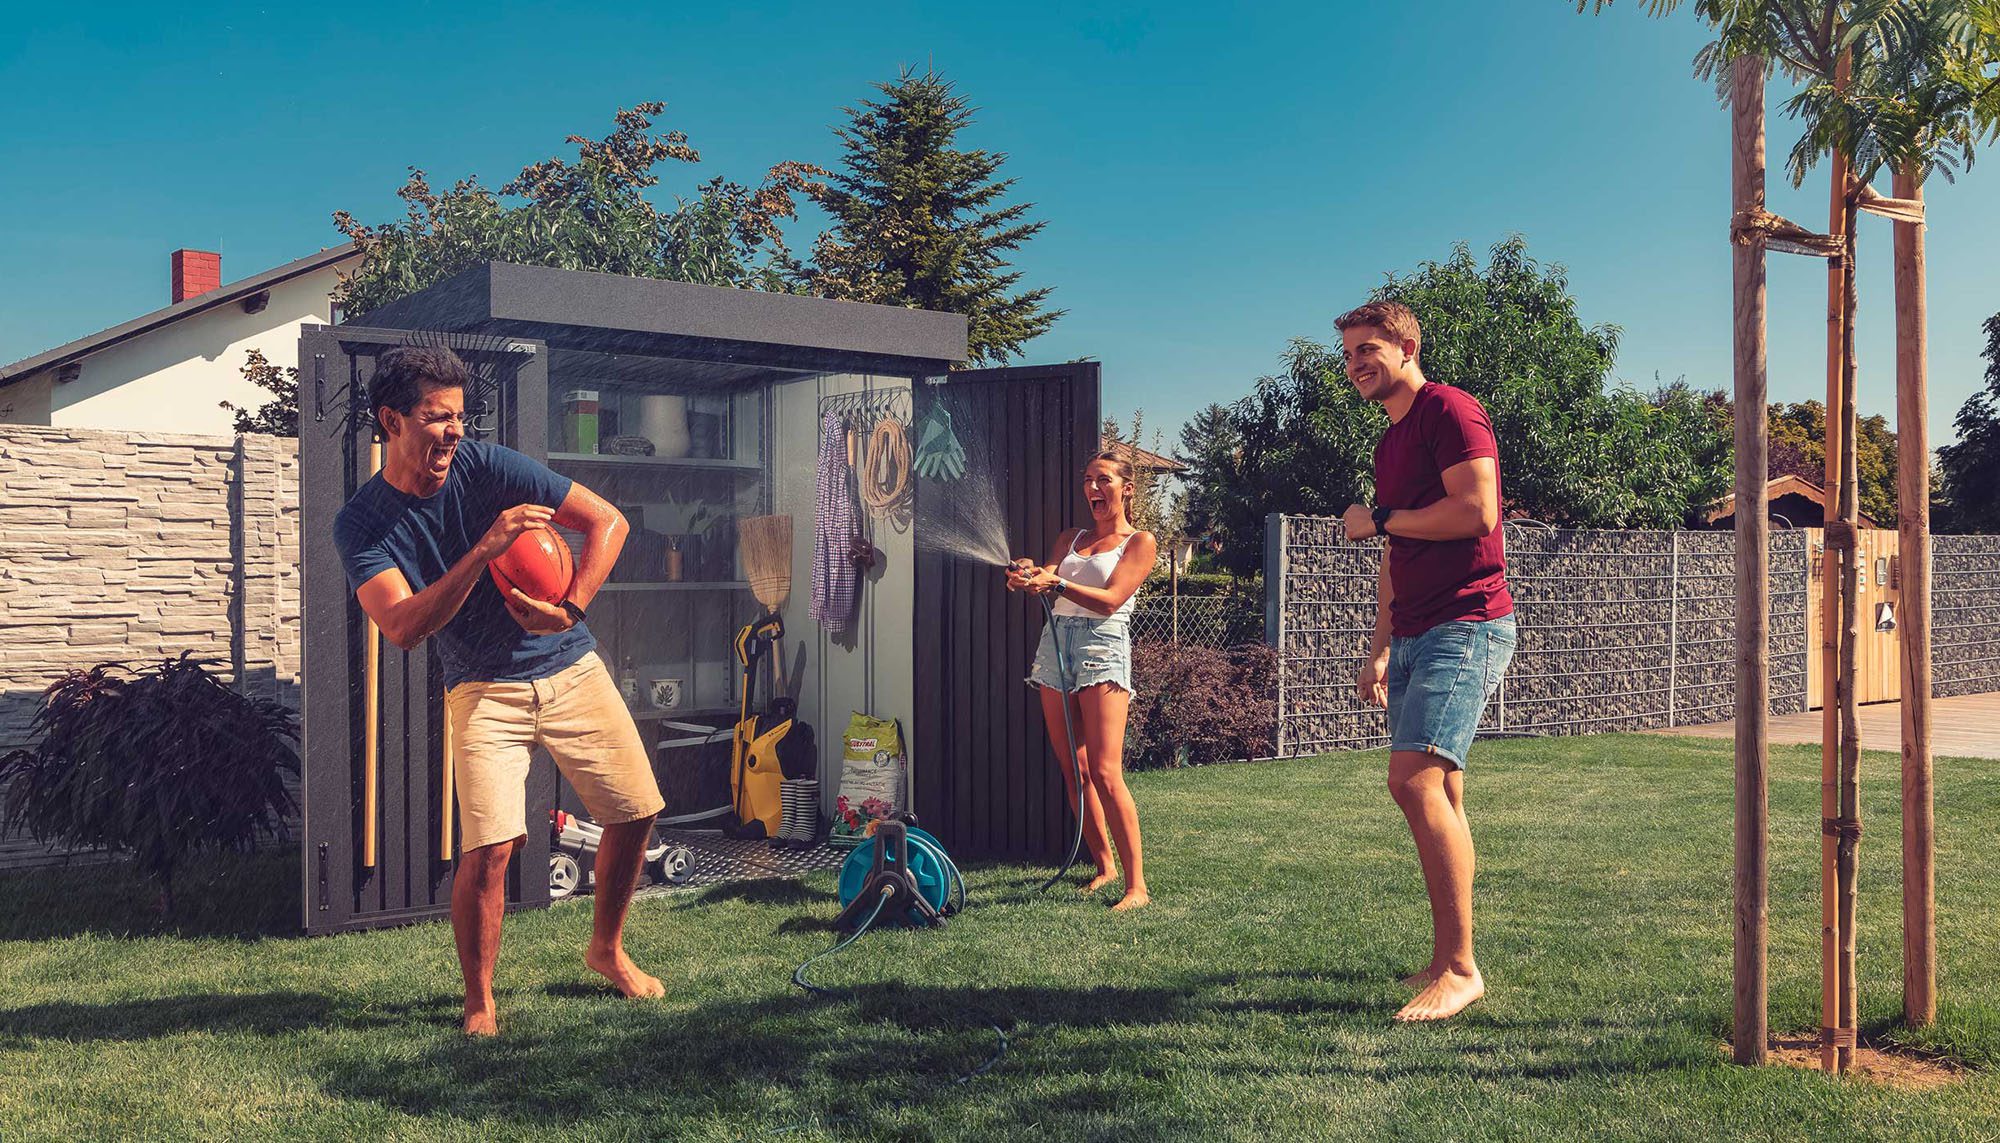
(1830, 596)
(1850, 731)
(1751, 1034)
(1913, 624)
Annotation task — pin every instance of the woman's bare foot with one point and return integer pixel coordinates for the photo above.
(1098, 882)
(1419, 980)
(1445, 997)
(1133, 899)
(480, 1019)
(625, 976)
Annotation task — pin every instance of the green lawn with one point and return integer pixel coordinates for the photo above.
(1251, 1002)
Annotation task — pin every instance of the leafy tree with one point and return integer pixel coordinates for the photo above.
(1969, 471)
(1798, 435)
(1210, 447)
(916, 221)
(1573, 453)
(591, 213)
(278, 416)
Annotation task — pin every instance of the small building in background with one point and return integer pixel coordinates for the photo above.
(170, 370)
(1792, 500)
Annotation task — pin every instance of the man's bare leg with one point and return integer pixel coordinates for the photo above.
(478, 901)
(1454, 788)
(1422, 789)
(619, 855)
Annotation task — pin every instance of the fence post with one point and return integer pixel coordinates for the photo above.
(1674, 629)
(1275, 561)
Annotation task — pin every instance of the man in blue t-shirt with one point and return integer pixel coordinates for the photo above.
(415, 540)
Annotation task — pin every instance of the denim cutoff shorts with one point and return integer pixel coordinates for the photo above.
(1439, 683)
(1099, 649)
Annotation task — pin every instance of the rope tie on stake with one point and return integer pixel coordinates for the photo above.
(1755, 225)
(1837, 1037)
(1846, 829)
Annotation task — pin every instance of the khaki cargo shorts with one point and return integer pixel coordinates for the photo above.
(575, 714)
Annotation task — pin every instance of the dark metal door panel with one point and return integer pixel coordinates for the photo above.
(985, 777)
(411, 878)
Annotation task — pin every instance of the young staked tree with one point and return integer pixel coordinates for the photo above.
(1906, 86)
(917, 221)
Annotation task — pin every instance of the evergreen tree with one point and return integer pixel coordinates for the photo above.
(918, 222)
(1969, 470)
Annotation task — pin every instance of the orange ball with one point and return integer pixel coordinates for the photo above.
(538, 562)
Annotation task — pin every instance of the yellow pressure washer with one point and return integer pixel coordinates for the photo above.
(756, 776)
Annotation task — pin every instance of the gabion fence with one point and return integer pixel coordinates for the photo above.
(1618, 631)
(1965, 615)
(1217, 621)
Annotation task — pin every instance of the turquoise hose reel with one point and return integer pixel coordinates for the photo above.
(896, 849)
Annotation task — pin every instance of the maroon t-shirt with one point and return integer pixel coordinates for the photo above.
(1438, 581)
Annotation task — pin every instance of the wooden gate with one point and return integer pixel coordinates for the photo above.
(1877, 659)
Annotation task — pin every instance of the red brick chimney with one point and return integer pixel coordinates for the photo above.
(196, 272)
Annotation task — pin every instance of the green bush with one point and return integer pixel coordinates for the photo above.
(1199, 584)
(159, 762)
(1198, 704)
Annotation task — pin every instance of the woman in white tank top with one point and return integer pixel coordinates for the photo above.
(1095, 575)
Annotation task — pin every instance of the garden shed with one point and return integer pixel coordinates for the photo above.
(692, 408)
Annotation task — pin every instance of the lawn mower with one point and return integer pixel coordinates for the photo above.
(573, 843)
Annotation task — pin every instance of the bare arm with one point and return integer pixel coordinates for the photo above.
(604, 530)
(1370, 679)
(1470, 508)
(409, 618)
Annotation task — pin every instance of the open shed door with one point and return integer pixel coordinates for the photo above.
(985, 780)
(406, 874)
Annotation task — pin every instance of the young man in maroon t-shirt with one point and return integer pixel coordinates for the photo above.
(1445, 627)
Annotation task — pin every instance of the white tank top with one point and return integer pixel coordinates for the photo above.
(1092, 571)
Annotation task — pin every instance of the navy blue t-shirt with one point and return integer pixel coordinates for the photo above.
(382, 527)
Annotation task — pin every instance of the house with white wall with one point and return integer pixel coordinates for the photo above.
(170, 370)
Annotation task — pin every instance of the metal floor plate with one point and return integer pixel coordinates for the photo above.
(719, 859)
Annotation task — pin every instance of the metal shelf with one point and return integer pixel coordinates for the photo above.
(686, 585)
(650, 715)
(614, 460)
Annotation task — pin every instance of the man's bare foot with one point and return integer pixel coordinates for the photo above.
(1098, 882)
(1133, 899)
(625, 976)
(480, 1019)
(1445, 997)
(1420, 980)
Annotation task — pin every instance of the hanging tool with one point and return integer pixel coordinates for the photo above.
(939, 455)
(371, 711)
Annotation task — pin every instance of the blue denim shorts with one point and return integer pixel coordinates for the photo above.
(1099, 649)
(1439, 683)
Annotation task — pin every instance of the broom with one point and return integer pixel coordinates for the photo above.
(766, 545)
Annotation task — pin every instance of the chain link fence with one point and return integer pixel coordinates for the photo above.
(1217, 621)
(1618, 631)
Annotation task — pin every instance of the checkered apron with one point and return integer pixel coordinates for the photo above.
(836, 582)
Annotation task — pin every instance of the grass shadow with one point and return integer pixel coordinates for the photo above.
(243, 896)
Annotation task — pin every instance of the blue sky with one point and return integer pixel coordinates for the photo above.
(1217, 181)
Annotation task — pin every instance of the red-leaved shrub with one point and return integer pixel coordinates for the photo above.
(1199, 704)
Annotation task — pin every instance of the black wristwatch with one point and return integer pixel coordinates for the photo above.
(1380, 515)
(1060, 587)
(575, 612)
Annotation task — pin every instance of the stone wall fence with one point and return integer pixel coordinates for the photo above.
(132, 547)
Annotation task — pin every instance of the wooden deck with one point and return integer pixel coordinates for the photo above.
(1964, 727)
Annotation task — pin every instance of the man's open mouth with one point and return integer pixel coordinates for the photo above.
(441, 455)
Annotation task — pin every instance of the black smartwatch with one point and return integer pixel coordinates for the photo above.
(1060, 587)
(1380, 515)
(575, 612)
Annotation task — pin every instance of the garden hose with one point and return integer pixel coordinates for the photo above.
(1069, 735)
(885, 469)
